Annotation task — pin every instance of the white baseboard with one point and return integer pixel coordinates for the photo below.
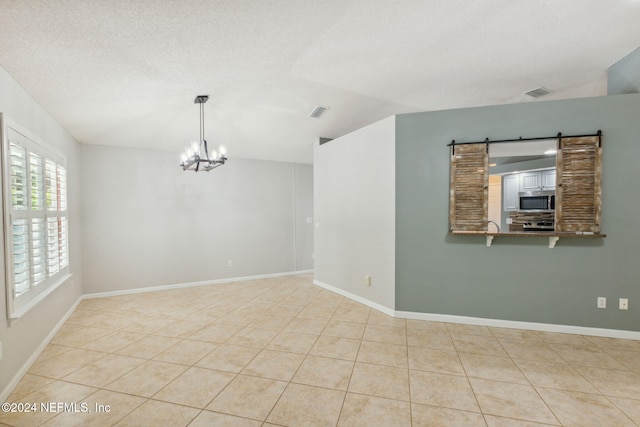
(191, 284)
(386, 310)
(27, 364)
(580, 330)
(512, 324)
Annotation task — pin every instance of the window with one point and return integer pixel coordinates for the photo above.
(575, 183)
(36, 224)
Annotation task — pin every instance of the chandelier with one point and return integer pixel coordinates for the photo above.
(197, 156)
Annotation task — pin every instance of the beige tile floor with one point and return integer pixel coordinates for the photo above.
(282, 351)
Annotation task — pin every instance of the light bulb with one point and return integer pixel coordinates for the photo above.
(222, 150)
(183, 159)
(214, 155)
(189, 152)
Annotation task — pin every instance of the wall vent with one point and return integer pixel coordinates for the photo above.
(537, 93)
(318, 112)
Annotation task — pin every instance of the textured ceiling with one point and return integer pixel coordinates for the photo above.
(125, 73)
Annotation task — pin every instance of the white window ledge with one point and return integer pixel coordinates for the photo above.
(18, 313)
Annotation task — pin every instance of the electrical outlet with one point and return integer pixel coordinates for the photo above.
(367, 280)
(624, 304)
(602, 302)
(230, 263)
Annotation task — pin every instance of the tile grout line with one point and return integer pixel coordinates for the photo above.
(529, 383)
(243, 301)
(298, 368)
(466, 374)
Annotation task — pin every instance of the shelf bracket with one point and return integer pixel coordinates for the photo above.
(489, 241)
(552, 241)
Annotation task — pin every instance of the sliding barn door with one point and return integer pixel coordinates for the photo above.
(578, 184)
(469, 186)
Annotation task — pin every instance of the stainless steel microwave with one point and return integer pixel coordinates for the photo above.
(536, 201)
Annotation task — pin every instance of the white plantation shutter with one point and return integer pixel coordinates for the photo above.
(53, 253)
(37, 249)
(61, 175)
(38, 242)
(19, 226)
(18, 177)
(20, 239)
(51, 186)
(63, 242)
(37, 181)
(63, 233)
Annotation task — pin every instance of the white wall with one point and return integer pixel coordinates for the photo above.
(22, 338)
(148, 223)
(303, 196)
(354, 204)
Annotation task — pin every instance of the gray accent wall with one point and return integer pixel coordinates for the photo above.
(624, 76)
(518, 279)
(23, 337)
(149, 223)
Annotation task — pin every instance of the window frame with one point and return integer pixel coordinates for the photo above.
(58, 218)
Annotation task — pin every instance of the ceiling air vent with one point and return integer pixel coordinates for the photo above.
(318, 112)
(537, 93)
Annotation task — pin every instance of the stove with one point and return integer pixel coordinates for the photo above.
(539, 225)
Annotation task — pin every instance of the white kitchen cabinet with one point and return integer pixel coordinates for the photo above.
(511, 187)
(548, 179)
(538, 180)
(530, 181)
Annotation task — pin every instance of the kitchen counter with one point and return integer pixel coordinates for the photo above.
(553, 236)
